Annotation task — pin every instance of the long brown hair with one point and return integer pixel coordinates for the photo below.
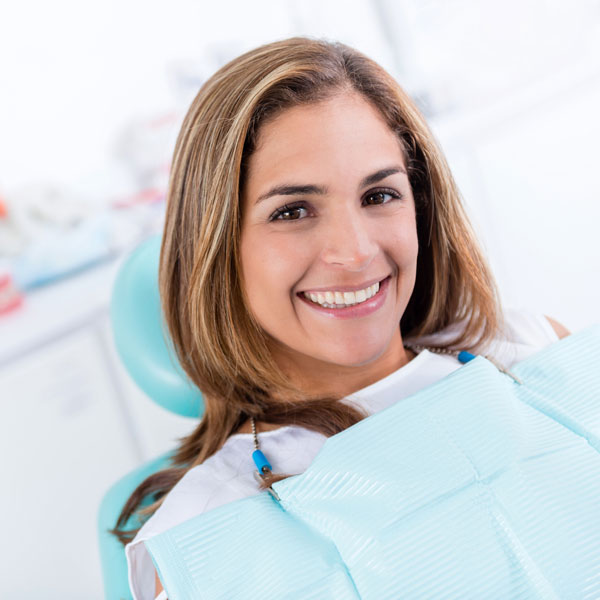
(219, 344)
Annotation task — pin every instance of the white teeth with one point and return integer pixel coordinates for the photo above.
(342, 299)
(372, 290)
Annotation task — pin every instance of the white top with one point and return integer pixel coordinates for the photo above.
(227, 475)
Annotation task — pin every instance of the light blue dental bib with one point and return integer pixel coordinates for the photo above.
(475, 487)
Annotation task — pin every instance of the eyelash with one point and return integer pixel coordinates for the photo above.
(298, 205)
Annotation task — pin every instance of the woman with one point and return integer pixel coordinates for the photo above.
(314, 241)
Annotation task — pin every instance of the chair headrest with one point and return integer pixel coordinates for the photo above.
(141, 338)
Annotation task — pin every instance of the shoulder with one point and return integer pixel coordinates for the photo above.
(531, 328)
(220, 479)
(518, 326)
(560, 330)
(522, 334)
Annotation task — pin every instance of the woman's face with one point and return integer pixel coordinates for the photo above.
(329, 240)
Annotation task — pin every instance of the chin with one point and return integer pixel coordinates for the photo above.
(355, 357)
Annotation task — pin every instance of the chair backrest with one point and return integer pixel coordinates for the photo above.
(145, 349)
(112, 554)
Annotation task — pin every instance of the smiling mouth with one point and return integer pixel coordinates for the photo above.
(333, 299)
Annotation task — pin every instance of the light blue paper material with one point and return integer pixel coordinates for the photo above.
(476, 487)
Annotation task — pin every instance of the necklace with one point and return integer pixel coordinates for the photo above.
(263, 466)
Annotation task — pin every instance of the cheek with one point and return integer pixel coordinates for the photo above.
(271, 267)
(404, 245)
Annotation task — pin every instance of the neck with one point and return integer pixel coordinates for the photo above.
(319, 379)
(335, 380)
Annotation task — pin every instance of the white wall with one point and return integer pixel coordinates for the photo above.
(73, 73)
(526, 169)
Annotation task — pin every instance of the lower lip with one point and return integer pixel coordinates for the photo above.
(358, 310)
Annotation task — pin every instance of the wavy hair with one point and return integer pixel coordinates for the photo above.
(219, 344)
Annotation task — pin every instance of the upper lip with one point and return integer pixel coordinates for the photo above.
(344, 288)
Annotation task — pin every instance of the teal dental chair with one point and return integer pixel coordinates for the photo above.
(142, 345)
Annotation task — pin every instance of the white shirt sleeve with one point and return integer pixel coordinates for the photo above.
(524, 334)
(532, 329)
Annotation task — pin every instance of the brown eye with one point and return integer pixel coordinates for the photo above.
(289, 213)
(380, 197)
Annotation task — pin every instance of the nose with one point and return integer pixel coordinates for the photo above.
(349, 241)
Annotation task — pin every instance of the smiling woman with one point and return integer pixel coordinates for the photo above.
(314, 243)
(347, 229)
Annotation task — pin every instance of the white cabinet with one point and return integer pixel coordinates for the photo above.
(71, 424)
(63, 440)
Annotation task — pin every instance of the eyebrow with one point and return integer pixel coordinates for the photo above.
(295, 190)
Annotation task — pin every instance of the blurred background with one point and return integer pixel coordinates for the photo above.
(92, 95)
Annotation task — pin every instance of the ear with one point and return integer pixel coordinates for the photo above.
(561, 330)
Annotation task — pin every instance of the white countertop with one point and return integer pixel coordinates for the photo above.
(56, 309)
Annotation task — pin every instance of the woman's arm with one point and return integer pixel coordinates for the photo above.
(158, 587)
(561, 330)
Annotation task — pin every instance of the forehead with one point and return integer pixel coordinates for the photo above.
(342, 136)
